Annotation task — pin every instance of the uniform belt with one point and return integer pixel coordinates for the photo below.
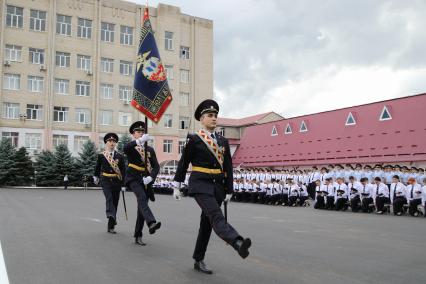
(109, 175)
(137, 167)
(207, 170)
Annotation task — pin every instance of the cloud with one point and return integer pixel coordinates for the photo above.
(299, 57)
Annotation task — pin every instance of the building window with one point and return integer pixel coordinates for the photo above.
(303, 127)
(106, 91)
(181, 146)
(62, 87)
(184, 76)
(168, 120)
(63, 25)
(125, 93)
(184, 122)
(63, 59)
(13, 52)
(350, 120)
(60, 114)
(169, 71)
(38, 20)
(36, 55)
(288, 129)
(107, 65)
(105, 117)
(14, 16)
(84, 28)
(82, 115)
(13, 137)
(184, 99)
(385, 115)
(124, 118)
(125, 68)
(184, 52)
(11, 110)
(167, 146)
(168, 40)
(60, 140)
(107, 32)
(11, 81)
(84, 62)
(35, 84)
(79, 142)
(126, 35)
(82, 88)
(33, 141)
(34, 112)
(274, 131)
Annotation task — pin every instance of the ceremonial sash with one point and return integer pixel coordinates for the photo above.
(212, 145)
(113, 164)
(141, 152)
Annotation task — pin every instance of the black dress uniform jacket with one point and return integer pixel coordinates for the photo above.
(197, 153)
(103, 166)
(133, 157)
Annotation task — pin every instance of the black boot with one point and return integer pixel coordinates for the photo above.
(111, 224)
(139, 241)
(241, 246)
(202, 267)
(154, 226)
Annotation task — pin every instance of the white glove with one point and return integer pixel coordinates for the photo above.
(145, 138)
(228, 197)
(147, 180)
(177, 195)
(95, 180)
(123, 189)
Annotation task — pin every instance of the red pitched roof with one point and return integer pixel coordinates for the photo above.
(221, 121)
(328, 140)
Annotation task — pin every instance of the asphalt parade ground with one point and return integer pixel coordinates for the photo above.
(58, 236)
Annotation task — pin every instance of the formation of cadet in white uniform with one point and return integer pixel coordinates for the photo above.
(380, 189)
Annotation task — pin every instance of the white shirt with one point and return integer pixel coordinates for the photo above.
(397, 190)
(343, 194)
(358, 186)
(269, 189)
(294, 190)
(303, 191)
(424, 195)
(262, 187)
(414, 191)
(367, 190)
(380, 190)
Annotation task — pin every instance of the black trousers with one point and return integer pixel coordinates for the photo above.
(380, 203)
(292, 200)
(262, 197)
(365, 204)
(111, 188)
(398, 204)
(355, 203)
(284, 199)
(320, 203)
(311, 189)
(212, 217)
(413, 206)
(144, 212)
(330, 203)
(341, 203)
(254, 197)
(302, 199)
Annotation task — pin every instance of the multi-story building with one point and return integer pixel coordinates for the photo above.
(68, 69)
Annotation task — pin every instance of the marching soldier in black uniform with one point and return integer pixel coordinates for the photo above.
(210, 183)
(110, 170)
(140, 178)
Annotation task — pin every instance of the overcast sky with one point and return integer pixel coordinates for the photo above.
(306, 56)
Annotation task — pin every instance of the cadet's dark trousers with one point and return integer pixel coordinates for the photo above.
(292, 200)
(262, 197)
(144, 212)
(284, 199)
(330, 203)
(254, 197)
(302, 200)
(212, 217)
(398, 204)
(365, 204)
(111, 189)
(311, 189)
(380, 203)
(355, 203)
(341, 203)
(320, 203)
(413, 206)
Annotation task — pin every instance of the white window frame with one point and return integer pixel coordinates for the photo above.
(124, 118)
(10, 110)
(125, 93)
(126, 35)
(184, 122)
(350, 115)
(82, 88)
(385, 109)
(168, 40)
(63, 25)
(181, 146)
(126, 68)
(184, 76)
(59, 139)
(84, 62)
(286, 131)
(12, 136)
(35, 84)
(107, 32)
(303, 123)
(62, 59)
(167, 146)
(79, 141)
(14, 17)
(169, 71)
(274, 131)
(61, 114)
(168, 120)
(11, 81)
(38, 20)
(185, 53)
(107, 91)
(84, 28)
(33, 141)
(36, 55)
(62, 86)
(34, 112)
(184, 99)
(13, 53)
(82, 115)
(107, 65)
(105, 117)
